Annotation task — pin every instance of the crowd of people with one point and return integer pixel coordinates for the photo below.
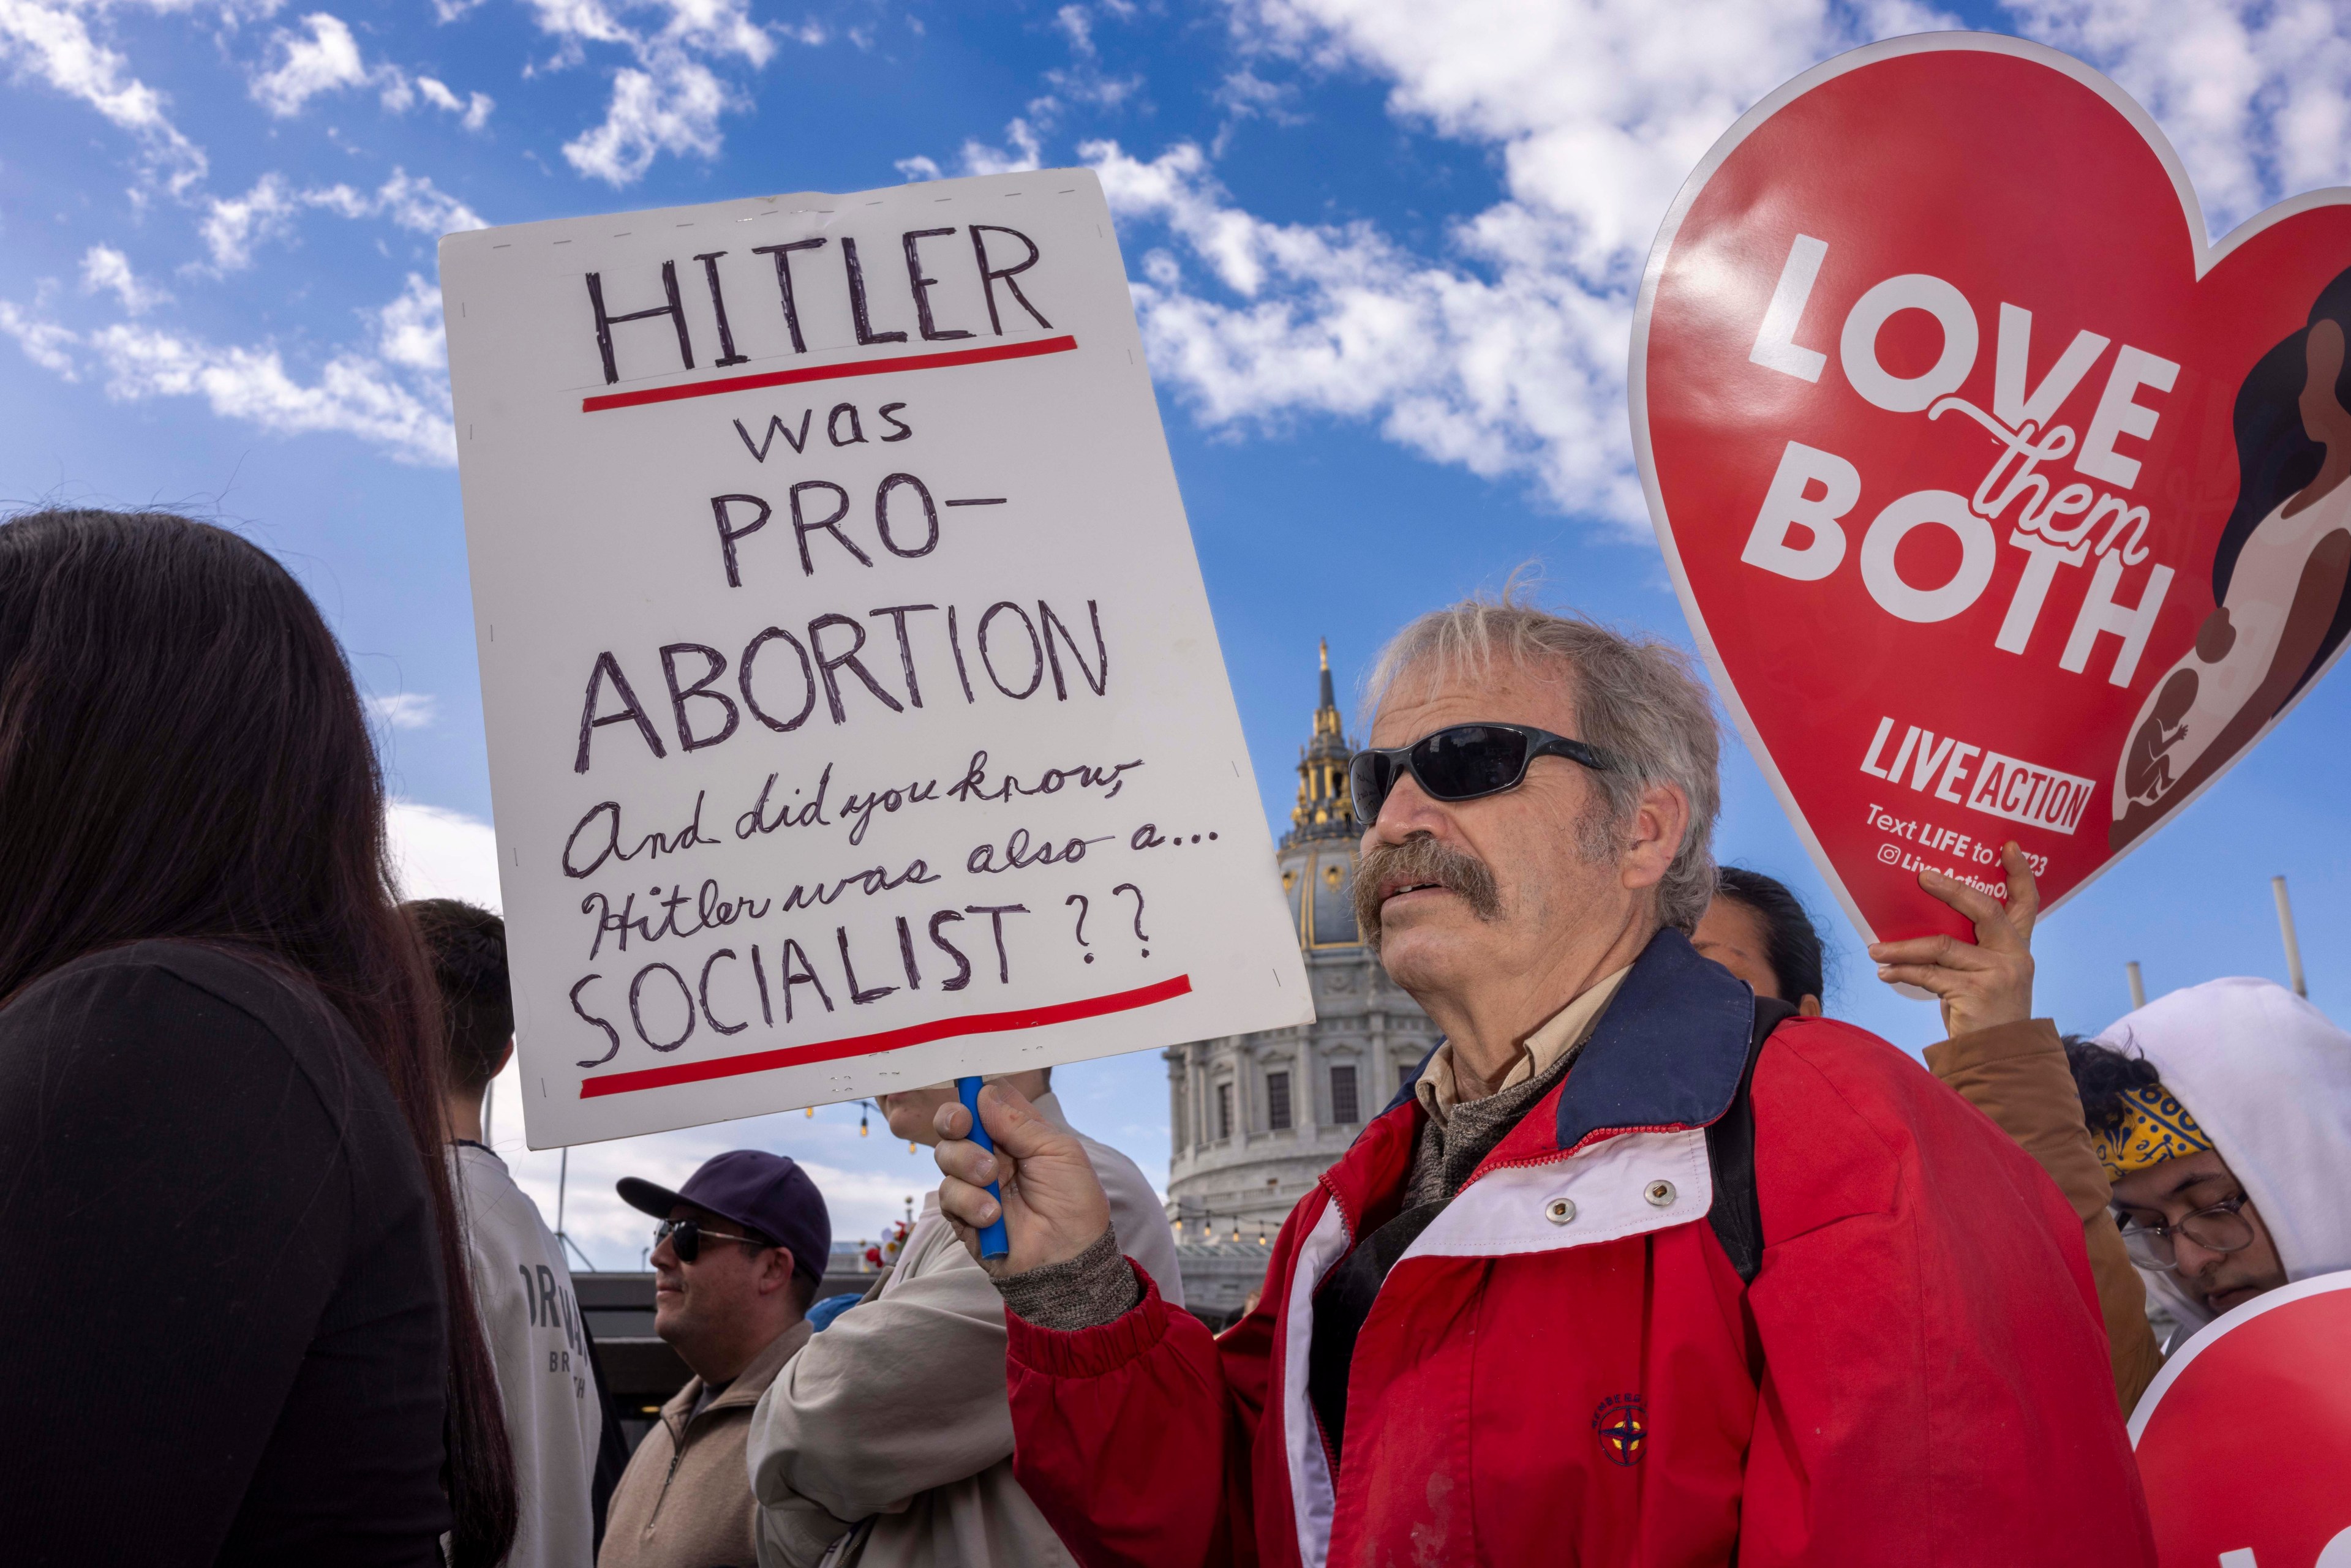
(1652, 1261)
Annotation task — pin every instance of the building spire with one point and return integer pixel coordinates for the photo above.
(1324, 809)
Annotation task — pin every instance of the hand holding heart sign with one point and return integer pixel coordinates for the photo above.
(2002, 504)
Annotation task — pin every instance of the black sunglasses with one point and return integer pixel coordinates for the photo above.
(1461, 762)
(685, 1238)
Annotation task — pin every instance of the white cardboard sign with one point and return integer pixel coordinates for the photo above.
(855, 715)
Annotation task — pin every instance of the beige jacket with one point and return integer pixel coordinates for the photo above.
(2016, 1074)
(685, 1501)
(887, 1442)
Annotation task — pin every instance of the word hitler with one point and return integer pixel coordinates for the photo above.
(991, 274)
(705, 716)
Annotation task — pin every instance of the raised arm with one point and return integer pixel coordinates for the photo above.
(2012, 1066)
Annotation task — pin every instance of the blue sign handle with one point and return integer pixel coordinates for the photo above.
(992, 1240)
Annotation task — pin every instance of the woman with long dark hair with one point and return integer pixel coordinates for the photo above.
(238, 1325)
(2279, 574)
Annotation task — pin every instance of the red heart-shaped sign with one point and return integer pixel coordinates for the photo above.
(2002, 504)
(2244, 1438)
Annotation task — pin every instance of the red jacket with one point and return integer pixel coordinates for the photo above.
(1917, 1375)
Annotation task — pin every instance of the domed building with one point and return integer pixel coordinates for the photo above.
(1254, 1119)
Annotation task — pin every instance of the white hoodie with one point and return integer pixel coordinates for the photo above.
(2268, 1078)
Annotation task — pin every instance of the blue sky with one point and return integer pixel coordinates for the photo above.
(1384, 253)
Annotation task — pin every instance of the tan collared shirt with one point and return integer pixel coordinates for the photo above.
(1562, 1033)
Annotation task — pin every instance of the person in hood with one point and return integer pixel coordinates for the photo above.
(1640, 1270)
(2222, 1116)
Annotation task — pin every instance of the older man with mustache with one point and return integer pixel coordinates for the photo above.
(1640, 1270)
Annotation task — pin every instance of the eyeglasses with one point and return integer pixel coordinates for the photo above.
(1461, 762)
(685, 1236)
(2219, 1228)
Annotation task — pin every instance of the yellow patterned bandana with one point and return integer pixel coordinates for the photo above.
(2154, 1127)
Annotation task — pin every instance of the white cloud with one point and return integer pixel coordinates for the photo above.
(1026, 151)
(104, 268)
(472, 112)
(1244, 95)
(44, 342)
(409, 333)
(325, 61)
(53, 42)
(1504, 352)
(440, 854)
(1519, 373)
(1083, 81)
(328, 60)
(672, 109)
(671, 98)
(414, 203)
(405, 413)
(392, 390)
(406, 710)
(234, 228)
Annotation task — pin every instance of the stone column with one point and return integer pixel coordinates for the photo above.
(1303, 1098)
(1178, 1134)
(1199, 1076)
(1244, 1095)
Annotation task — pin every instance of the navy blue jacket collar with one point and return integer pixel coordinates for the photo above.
(1667, 1052)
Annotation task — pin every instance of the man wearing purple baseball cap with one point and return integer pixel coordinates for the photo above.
(737, 1260)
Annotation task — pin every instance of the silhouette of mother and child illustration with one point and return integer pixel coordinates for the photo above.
(2279, 575)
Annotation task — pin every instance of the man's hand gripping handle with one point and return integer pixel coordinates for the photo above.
(1029, 1177)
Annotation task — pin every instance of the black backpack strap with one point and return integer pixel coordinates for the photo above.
(1738, 1215)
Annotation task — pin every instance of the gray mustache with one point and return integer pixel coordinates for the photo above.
(1421, 859)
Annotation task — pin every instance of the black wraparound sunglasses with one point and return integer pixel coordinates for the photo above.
(1461, 762)
(685, 1236)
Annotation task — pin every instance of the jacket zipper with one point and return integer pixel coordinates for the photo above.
(677, 1457)
(1552, 1156)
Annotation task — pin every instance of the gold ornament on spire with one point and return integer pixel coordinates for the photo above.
(1324, 810)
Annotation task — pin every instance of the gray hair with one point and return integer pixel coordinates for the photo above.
(1636, 699)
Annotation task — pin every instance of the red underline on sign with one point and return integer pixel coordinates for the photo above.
(994, 352)
(886, 1040)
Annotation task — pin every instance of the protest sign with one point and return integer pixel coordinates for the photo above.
(855, 716)
(2244, 1439)
(2002, 504)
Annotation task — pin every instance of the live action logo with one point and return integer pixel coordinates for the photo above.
(1981, 780)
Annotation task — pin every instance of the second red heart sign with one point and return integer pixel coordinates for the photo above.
(2003, 504)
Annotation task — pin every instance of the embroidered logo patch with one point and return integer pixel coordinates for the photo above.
(1622, 1425)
